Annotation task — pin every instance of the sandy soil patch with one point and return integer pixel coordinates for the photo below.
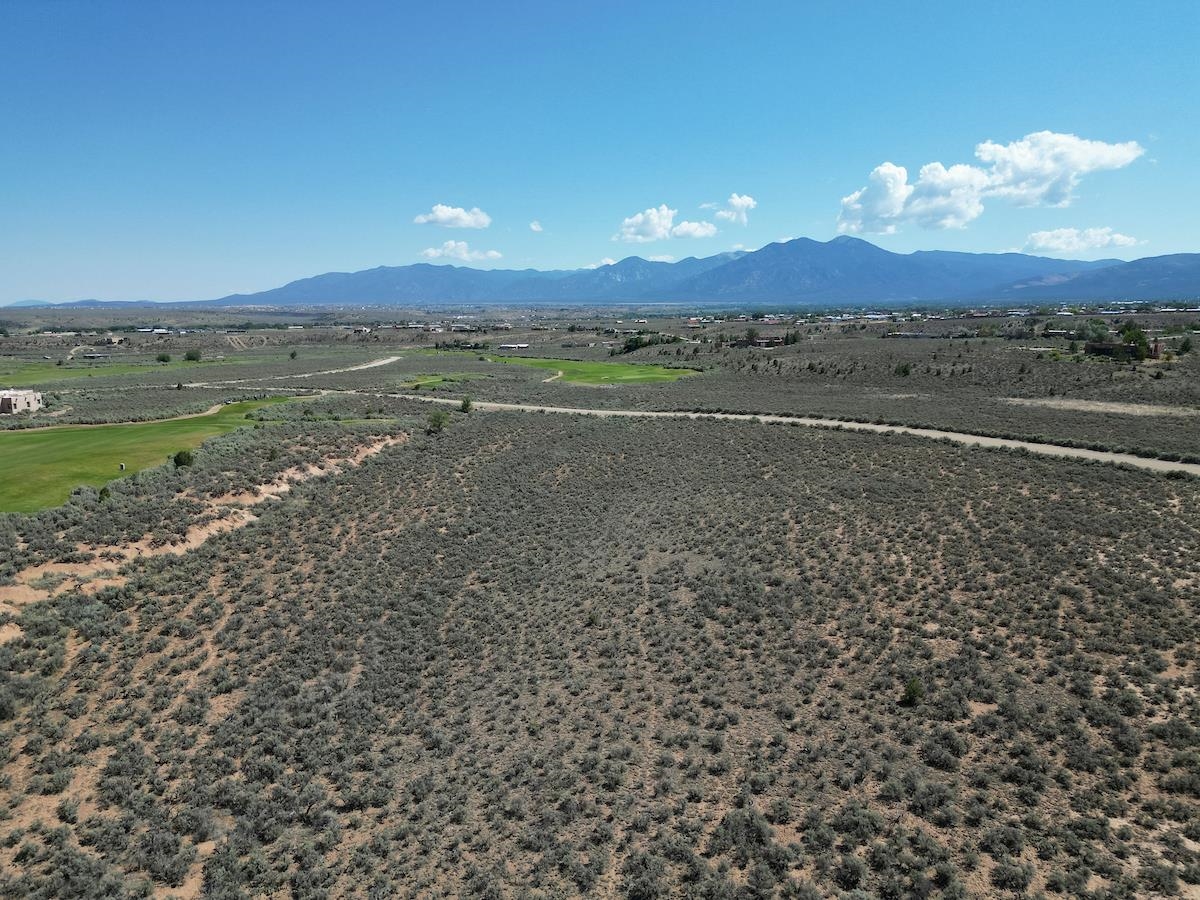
(1102, 406)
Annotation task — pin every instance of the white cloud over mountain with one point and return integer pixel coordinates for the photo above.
(1040, 169)
(459, 250)
(694, 230)
(653, 224)
(657, 224)
(454, 217)
(1076, 240)
(736, 208)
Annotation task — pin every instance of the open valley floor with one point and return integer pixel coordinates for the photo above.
(415, 621)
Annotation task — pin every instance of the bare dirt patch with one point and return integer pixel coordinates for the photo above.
(1102, 406)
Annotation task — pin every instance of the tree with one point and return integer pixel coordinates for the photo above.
(914, 692)
(292, 355)
(192, 356)
(1093, 330)
(1131, 334)
(1186, 345)
(183, 458)
(163, 357)
(466, 404)
(436, 421)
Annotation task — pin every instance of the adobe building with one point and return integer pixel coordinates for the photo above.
(19, 401)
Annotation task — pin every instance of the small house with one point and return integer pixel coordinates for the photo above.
(19, 401)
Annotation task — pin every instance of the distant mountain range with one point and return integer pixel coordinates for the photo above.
(801, 272)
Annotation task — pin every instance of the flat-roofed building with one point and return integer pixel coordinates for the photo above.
(19, 401)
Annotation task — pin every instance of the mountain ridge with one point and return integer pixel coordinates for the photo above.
(799, 272)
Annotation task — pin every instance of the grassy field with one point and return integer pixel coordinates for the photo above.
(580, 372)
(43, 465)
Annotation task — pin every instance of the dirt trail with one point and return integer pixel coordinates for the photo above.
(369, 365)
(229, 512)
(967, 440)
(557, 375)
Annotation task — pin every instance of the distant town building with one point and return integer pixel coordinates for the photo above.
(19, 401)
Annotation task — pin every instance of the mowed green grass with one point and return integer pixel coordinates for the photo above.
(41, 466)
(587, 372)
(584, 372)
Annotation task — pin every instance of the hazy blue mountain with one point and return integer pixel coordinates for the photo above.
(630, 279)
(1174, 277)
(395, 285)
(844, 271)
(850, 270)
(802, 271)
(81, 304)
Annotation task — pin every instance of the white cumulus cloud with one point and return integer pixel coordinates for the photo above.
(946, 198)
(459, 250)
(454, 217)
(658, 224)
(694, 230)
(661, 257)
(1040, 169)
(879, 205)
(607, 261)
(736, 208)
(1077, 240)
(535, 225)
(653, 224)
(1043, 169)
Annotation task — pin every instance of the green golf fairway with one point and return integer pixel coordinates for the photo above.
(43, 465)
(582, 372)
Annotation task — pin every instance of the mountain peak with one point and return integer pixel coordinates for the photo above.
(843, 270)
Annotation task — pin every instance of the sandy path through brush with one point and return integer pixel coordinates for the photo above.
(957, 437)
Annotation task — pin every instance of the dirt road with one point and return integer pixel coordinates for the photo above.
(369, 365)
(967, 440)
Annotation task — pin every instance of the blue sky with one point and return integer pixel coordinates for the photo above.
(186, 151)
